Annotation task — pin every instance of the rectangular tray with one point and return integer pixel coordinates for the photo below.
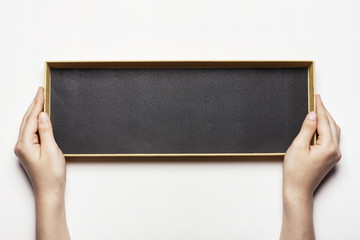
(178, 108)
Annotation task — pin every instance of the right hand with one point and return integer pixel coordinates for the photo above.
(304, 165)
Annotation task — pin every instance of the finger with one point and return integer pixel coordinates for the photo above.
(27, 113)
(46, 131)
(24, 119)
(334, 129)
(323, 124)
(31, 124)
(307, 131)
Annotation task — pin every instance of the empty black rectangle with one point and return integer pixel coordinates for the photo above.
(177, 110)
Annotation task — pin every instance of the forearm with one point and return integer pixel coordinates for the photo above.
(50, 217)
(297, 216)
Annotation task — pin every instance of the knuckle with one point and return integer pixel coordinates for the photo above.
(16, 150)
(18, 146)
(19, 149)
(332, 151)
(338, 156)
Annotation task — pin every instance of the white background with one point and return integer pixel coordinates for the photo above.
(180, 200)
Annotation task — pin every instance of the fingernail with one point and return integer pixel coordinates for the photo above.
(43, 117)
(311, 116)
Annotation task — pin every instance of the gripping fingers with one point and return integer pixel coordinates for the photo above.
(31, 122)
(323, 123)
(335, 129)
(25, 117)
(46, 134)
(307, 131)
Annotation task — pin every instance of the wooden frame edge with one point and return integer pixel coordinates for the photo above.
(47, 89)
(177, 155)
(182, 63)
(311, 94)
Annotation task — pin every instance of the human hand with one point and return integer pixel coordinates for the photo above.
(38, 152)
(306, 165)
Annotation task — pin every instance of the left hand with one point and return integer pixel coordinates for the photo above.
(38, 152)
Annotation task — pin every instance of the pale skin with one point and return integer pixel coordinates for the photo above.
(44, 164)
(303, 169)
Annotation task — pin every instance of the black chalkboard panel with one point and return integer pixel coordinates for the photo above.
(177, 110)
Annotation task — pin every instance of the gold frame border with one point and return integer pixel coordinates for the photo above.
(183, 64)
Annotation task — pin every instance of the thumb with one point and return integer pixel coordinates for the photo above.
(307, 130)
(45, 130)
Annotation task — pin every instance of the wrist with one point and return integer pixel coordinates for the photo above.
(297, 196)
(49, 196)
(297, 214)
